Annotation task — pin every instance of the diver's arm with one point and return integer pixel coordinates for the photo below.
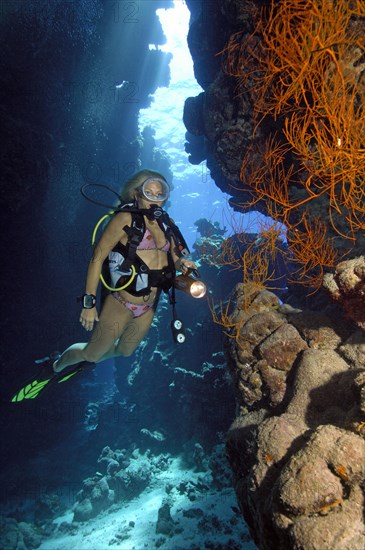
(181, 264)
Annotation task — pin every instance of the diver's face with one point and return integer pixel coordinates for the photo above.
(152, 192)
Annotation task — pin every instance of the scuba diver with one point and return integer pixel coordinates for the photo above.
(136, 258)
(128, 311)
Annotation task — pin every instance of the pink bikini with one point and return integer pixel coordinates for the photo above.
(147, 243)
(136, 309)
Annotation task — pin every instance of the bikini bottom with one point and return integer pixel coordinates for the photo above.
(137, 310)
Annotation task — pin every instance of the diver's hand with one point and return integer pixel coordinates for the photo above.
(88, 318)
(185, 265)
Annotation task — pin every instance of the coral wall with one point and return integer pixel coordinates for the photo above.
(297, 445)
(272, 127)
(280, 122)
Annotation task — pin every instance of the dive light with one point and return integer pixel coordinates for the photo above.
(191, 284)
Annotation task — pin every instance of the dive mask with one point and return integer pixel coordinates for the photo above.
(155, 190)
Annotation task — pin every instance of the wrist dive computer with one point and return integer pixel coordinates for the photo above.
(88, 301)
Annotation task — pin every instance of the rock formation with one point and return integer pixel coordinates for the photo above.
(297, 445)
(347, 286)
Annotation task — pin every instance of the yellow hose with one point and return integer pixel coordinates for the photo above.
(93, 238)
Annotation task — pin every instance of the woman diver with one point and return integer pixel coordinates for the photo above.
(139, 253)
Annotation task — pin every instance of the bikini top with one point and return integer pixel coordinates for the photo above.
(148, 243)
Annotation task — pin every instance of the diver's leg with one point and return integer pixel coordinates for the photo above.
(112, 322)
(133, 334)
(72, 355)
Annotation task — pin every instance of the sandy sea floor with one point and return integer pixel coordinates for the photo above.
(210, 520)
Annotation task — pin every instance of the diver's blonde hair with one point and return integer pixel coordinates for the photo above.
(128, 190)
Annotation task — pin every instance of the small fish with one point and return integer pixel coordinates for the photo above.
(192, 195)
(123, 84)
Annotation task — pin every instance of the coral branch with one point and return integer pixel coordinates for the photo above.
(303, 66)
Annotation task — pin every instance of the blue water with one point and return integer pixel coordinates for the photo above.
(195, 194)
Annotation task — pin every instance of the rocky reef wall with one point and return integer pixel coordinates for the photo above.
(296, 447)
(264, 143)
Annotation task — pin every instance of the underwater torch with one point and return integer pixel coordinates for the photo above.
(191, 284)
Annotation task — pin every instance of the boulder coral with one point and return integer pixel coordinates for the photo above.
(297, 445)
(347, 286)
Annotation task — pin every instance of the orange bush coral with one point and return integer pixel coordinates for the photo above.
(254, 255)
(304, 66)
(312, 251)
